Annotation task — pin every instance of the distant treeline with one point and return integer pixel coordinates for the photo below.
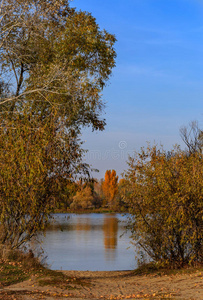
(90, 195)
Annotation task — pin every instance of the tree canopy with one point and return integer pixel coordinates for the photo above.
(52, 55)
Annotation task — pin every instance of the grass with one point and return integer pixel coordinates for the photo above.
(16, 267)
(59, 279)
(62, 282)
(11, 273)
(154, 269)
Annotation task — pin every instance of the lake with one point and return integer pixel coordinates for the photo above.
(89, 242)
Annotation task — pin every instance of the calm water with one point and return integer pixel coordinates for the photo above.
(88, 242)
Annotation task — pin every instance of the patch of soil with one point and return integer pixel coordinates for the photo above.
(111, 285)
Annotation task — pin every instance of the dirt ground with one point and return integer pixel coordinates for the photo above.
(112, 285)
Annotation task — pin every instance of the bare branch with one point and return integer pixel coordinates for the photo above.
(191, 136)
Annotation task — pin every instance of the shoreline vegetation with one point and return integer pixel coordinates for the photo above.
(22, 276)
(89, 211)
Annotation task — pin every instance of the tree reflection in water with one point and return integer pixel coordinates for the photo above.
(110, 229)
(88, 242)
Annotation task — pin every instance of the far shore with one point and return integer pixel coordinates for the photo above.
(89, 211)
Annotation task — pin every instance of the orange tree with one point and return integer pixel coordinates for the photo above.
(164, 192)
(110, 186)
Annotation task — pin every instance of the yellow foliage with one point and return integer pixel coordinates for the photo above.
(83, 199)
(165, 194)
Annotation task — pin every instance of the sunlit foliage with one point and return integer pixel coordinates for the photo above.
(54, 63)
(83, 199)
(164, 192)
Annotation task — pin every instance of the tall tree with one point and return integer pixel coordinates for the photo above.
(54, 63)
(110, 186)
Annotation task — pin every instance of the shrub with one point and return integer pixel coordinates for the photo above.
(164, 192)
(83, 199)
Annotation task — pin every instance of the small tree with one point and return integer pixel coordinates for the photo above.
(164, 192)
(98, 193)
(83, 199)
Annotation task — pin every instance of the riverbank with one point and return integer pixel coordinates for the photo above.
(22, 277)
(185, 285)
(101, 210)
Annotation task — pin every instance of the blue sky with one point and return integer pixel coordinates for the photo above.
(157, 85)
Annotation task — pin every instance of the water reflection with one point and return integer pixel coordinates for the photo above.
(110, 232)
(83, 224)
(88, 242)
(110, 228)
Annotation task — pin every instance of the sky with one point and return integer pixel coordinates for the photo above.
(157, 84)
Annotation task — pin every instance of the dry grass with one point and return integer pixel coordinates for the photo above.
(16, 266)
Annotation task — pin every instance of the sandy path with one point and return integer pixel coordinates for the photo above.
(113, 285)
